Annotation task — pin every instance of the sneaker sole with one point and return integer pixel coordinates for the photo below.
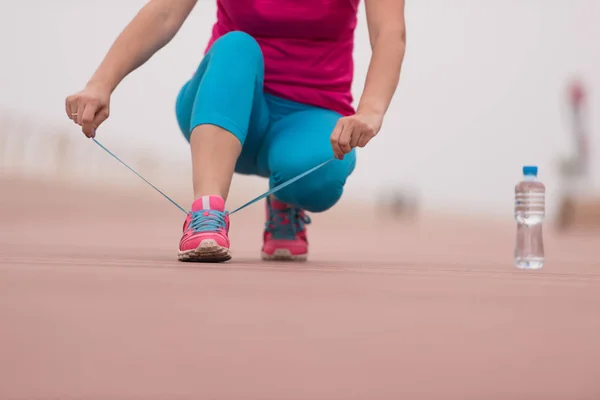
(207, 251)
(283, 255)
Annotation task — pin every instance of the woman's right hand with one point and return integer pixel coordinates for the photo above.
(89, 108)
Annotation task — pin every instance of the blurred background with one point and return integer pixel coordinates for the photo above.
(487, 86)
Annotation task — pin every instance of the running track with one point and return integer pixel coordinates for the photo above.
(93, 306)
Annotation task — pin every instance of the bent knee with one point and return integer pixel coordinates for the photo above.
(312, 195)
(316, 192)
(318, 198)
(237, 43)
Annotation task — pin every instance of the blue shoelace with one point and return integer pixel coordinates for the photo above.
(285, 224)
(262, 196)
(207, 221)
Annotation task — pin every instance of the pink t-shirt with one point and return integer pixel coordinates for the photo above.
(307, 46)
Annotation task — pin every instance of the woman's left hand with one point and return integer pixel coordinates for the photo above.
(353, 131)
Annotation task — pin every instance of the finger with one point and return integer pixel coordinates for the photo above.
(356, 137)
(71, 108)
(87, 119)
(101, 116)
(335, 138)
(346, 137)
(79, 111)
(363, 140)
(68, 108)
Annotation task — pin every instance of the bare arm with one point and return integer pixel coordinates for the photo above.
(387, 33)
(151, 29)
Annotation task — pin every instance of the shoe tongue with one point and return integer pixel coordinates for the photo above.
(209, 203)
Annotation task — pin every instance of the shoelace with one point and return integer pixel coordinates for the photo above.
(207, 221)
(286, 223)
(262, 196)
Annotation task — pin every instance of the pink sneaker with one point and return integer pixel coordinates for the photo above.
(285, 232)
(205, 232)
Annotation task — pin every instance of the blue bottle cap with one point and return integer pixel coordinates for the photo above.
(530, 170)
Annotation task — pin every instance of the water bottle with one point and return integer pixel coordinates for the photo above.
(529, 213)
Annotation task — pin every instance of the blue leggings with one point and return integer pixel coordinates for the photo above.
(280, 138)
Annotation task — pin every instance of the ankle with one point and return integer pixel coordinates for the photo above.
(211, 202)
(201, 194)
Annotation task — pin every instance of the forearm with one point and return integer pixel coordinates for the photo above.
(151, 29)
(383, 73)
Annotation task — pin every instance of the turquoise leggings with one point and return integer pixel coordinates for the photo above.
(280, 138)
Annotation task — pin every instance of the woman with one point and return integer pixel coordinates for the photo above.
(270, 98)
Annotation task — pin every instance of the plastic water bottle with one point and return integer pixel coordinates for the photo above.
(529, 212)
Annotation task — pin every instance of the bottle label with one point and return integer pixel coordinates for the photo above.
(530, 202)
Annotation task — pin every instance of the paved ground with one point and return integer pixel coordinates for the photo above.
(93, 306)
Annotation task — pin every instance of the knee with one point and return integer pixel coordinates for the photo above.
(318, 196)
(316, 192)
(238, 44)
